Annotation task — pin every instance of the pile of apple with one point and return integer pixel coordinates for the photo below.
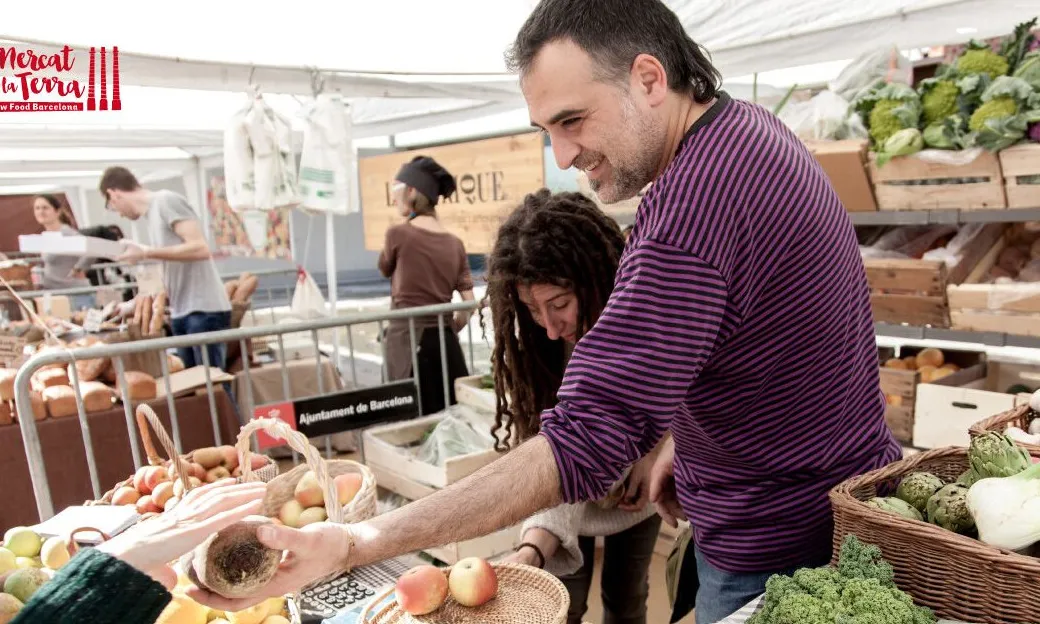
(27, 561)
(424, 589)
(184, 610)
(307, 505)
(156, 488)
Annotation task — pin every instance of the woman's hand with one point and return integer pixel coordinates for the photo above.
(637, 486)
(662, 485)
(526, 556)
(546, 541)
(153, 544)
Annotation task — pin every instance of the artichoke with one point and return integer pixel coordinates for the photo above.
(917, 488)
(968, 478)
(948, 508)
(897, 506)
(996, 455)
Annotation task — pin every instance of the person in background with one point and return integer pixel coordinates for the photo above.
(127, 578)
(198, 302)
(549, 275)
(426, 265)
(61, 271)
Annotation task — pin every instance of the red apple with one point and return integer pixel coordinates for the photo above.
(154, 476)
(290, 512)
(308, 491)
(472, 582)
(145, 504)
(162, 494)
(125, 495)
(139, 480)
(347, 487)
(422, 590)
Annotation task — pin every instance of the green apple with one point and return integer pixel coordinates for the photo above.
(7, 560)
(23, 542)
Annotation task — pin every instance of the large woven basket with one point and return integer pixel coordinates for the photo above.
(959, 577)
(1019, 417)
(526, 595)
(148, 421)
(363, 507)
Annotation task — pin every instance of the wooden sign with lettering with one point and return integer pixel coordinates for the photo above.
(492, 177)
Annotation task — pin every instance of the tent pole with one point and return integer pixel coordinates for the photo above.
(83, 219)
(200, 172)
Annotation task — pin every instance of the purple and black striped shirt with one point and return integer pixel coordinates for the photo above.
(740, 320)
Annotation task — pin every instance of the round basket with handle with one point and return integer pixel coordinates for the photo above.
(280, 489)
(1020, 417)
(526, 595)
(147, 422)
(959, 577)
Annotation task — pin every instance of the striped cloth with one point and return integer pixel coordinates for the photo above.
(740, 321)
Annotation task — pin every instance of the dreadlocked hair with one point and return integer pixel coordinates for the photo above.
(564, 240)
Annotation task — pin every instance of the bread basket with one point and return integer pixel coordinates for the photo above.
(526, 595)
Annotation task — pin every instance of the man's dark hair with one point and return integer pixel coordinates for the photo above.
(614, 33)
(117, 179)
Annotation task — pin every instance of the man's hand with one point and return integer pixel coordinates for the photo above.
(313, 552)
(662, 486)
(134, 252)
(637, 486)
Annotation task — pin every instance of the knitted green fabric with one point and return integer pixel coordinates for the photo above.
(97, 588)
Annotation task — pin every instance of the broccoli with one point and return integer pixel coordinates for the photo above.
(978, 58)
(938, 99)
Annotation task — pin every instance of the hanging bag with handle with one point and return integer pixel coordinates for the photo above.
(307, 301)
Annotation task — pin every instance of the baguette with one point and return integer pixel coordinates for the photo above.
(146, 315)
(246, 287)
(138, 301)
(158, 313)
(230, 287)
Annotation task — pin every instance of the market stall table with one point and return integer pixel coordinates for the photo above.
(66, 461)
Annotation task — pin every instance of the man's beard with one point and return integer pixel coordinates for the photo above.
(629, 179)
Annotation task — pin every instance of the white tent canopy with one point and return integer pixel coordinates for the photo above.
(404, 65)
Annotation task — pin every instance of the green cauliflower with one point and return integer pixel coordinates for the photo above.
(997, 108)
(896, 506)
(938, 99)
(979, 58)
(948, 508)
(917, 488)
(994, 454)
(1008, 106)
(887, 109)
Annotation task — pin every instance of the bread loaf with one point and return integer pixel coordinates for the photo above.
(230, 287)
(141, 386)
(146, 315)
(90, 370)
(138, 307)
(109, 374)
(246, 287)
(176, 364)
(61, 401)
(39, 406)
(158, 314)
(48, 377)
(97, 397)
(7, 383)
(6, 418)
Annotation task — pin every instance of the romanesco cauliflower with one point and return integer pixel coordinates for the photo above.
(939, 100)
(997, 108)
(982, 60)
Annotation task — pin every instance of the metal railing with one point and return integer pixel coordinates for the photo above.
(23, 399)
(268, 302)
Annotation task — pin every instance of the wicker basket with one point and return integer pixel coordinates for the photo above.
(147, 420)
(959, 577)
(280, 489)
(1018, 417)
(526, 595)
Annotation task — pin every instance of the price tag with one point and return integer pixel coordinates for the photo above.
(95, 318)
(12, 349)
(150, 280)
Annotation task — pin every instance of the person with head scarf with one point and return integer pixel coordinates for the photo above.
(426, 265)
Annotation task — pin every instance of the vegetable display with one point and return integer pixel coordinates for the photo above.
(917, 488)
(1007, 509)
(859, 591)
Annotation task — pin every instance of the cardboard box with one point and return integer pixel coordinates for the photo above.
(845, 163)
(62, 245)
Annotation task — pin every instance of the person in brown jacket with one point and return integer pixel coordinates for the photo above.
(426, 265)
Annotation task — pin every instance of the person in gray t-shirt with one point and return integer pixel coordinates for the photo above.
(197, 299)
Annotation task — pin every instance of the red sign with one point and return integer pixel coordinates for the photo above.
(32, 81)
(282, 411)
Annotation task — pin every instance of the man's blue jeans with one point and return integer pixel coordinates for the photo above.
(197, 323)
(722, 594)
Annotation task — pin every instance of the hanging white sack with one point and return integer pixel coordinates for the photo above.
(239, 177)
(270, 136)
(327, 160)
(287, 189)
(307, 301)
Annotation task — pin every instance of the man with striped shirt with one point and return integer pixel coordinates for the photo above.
(740, 322)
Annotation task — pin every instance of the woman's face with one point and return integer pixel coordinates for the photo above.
(44, 212)
(553, 307)
(399, 197)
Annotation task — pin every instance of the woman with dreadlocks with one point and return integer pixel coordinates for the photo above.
(549, 276)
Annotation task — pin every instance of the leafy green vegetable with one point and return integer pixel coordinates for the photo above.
(950, 133)
(902, 143)
(917, 488)
(859, 591)
(1029, 70)
(1003, 118)
(1015, 47)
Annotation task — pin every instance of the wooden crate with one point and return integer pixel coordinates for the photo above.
(900, 387)
(1004, 308)
(1017, 162)
(486, 547)
(915, 291)
(894, 190)
(388, 446)
(470, 391)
